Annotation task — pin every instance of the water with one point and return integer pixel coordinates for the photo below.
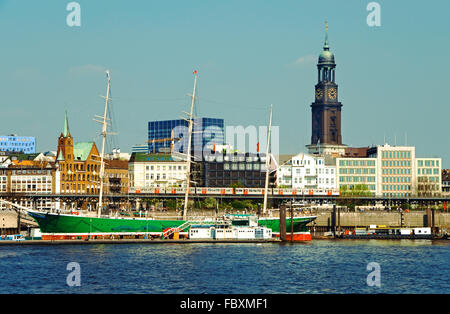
(321, 266)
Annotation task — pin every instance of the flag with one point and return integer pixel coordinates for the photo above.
(195, 72)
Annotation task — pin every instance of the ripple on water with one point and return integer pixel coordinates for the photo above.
(317, 267)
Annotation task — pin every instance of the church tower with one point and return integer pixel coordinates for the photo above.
(326, 109)
(65, 143)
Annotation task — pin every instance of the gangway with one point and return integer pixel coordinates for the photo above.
(171, 231)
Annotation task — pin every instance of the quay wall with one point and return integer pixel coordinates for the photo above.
(392, 219)
(324, 221)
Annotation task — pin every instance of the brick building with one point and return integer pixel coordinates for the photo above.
(116, 176)
(78, 164)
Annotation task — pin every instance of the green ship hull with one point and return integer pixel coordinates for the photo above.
(51, 223)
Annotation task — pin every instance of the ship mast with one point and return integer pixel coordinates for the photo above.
(102, 164)
(267, 164)
(188, 158)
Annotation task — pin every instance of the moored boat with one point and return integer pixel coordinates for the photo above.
(61, 226)
(56, 226)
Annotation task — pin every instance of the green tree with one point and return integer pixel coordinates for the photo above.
(238, 204)
(236, 184)
(171, 204)
(210, 203)
(357, 190)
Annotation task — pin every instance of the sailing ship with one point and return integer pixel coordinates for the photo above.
(61, 226)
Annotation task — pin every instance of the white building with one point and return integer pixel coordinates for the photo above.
(428, 176)
(353, 172)
(391, 171)
(395, 170)
(305, 171)
(156, 170)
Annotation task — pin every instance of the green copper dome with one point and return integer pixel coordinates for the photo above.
(326, 56)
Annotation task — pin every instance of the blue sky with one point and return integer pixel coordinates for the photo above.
(393, 79)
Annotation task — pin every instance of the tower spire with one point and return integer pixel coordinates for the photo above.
(66, 126)
(325, 46)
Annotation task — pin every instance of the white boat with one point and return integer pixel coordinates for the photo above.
(231, 227)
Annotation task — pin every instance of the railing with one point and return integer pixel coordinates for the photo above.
(169, 232)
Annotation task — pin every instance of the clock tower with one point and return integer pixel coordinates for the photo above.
(326, 109)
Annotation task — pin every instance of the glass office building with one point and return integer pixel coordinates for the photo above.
(244, 169)
(13, 143)
(206, 131)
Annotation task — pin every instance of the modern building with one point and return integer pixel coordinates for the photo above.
(28, 176)
(428, 177)
(163, 134)
(305, 171)
(395, 170)
(78, 164)
(326, 135)
(3, 181)
(14, 143)
(353, 172)
(392, 171)
(445, 179)
(139, 148)
(234, 169)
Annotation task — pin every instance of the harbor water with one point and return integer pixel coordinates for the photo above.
(321, 266)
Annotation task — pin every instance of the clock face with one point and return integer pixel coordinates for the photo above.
(319, 93)
(332, 93)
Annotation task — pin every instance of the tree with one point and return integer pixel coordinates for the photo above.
(357, 190)
(210, 203)
(236, 184)
(238, 204)
(171, 204)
